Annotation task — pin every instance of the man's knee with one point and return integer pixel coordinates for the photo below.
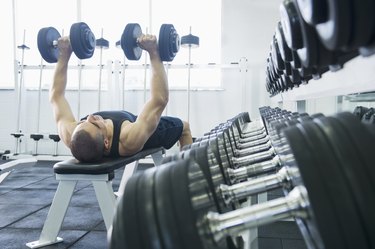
(186, 128)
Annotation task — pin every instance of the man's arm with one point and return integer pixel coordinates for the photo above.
(136, 134)
(63, 114)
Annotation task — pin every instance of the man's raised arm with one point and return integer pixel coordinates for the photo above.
(63, 115)
(149, 117)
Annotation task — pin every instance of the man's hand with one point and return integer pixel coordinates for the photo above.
(148, 43)
(65, 49)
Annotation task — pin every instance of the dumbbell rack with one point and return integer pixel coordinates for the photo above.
(321, 169)
(354, 74)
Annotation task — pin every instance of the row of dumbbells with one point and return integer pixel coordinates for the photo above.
(193, 200)
(317, 36)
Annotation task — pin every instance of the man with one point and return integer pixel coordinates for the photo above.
(117, 133)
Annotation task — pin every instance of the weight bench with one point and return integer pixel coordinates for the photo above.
(69, 172)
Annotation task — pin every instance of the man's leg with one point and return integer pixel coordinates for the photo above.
(186, 137)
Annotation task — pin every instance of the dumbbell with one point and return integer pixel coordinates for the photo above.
(169, 42)
(327, 199)
(341, 25)
(369, 116)
(359, 111)
(230, 175)
(313, 52)
(81, 37)
(291, 76)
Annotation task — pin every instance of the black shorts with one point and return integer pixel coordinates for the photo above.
(167, 133)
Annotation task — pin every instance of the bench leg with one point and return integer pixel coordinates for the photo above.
(106, 198)
(157, 157)
(3, 176)
(55, 216)
(129, 170)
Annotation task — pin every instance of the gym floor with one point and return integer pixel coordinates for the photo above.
(26, 195)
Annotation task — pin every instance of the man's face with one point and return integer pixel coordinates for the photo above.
(94, 124)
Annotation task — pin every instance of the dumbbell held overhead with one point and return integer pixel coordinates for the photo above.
(169, 42)
(81, 37)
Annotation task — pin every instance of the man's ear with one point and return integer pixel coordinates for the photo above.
(106, 144)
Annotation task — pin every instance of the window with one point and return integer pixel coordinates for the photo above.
(6, 45)
(108, 19)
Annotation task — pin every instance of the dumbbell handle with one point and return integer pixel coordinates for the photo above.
(264, 140)
(252, 138)
(282, 178)
(250, 159)
(217, 226)
(249, 129)
(252, 150)
(242, 173)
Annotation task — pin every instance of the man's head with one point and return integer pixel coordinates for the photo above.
(89, 139)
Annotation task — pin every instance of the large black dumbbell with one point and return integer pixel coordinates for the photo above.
(333, 207)
(82, 41)
(169, 42)
(341, 25)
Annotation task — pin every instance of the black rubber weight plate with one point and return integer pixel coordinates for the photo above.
(126, 232)
(166, 216)
(45, 39)
(129, 41)
(363, 23)
(187, 215)
(82, 40)
(353, 168)
(322, 223)
(362, 140)
(335, 33)
(146, 211)
(364, 170)
(337, 186)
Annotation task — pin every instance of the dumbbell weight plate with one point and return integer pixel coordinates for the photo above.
(313, 11)
(186, 214)
(126, 232)
(214, 145)
(276, 57)
(147, 213)
(295, 77)
(169, 42)
(322, 223)
(166, 215)
(291, 28)
(82, 40)
(129, 38)
(344, 203)
(285, 51)
(363, 22)
(335, 32)
(308, 53)
(208, 164)
(47, 49)
(288, 68)
(296, 62)
(355, 171)
(361, 139)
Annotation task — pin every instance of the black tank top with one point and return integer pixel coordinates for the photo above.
(117, 117)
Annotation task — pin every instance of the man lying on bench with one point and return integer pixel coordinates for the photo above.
(120, 136)
(117, 133)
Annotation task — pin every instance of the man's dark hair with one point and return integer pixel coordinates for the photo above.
(86, 148)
